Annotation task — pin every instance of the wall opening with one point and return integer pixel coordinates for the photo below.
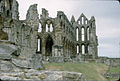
(82, 20)
(77, 34)
(49, 44)
(7, 12)
(78, 22)
(83, 34)
(40, 28)
(86, 22)
(51, 28)
(83, 49)
(39, 45)
(46, 27)
(77, 49)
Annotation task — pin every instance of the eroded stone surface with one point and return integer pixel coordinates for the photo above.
(32, 74)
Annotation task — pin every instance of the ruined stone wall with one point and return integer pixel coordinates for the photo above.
(52, 39)
(86, 41)
(23, 34)
(114, 62)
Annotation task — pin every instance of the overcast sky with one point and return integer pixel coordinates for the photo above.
(107, 15)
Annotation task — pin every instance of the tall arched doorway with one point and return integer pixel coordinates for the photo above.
(48, 47)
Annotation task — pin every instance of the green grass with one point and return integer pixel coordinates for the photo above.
(114, 70)
(91, 71)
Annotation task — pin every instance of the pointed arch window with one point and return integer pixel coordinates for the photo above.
(82, 20)
(39, 45)
(83, 49)
(78, 22)
(83, 34)
(46, 27)
(77, 49)
(86, 22)
(51, 28)
(77, 34)
(40, 28)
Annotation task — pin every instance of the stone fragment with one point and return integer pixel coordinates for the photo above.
(6, 66)
(9, 78)
(21, 63)
(6, 51)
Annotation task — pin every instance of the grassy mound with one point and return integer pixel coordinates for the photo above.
(91, 71)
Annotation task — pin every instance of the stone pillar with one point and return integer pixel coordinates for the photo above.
(85, 34)
(48, 28)
(86, 49)
(43, 47)
(80, 48)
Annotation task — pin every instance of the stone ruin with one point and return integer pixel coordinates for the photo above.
(26, 43)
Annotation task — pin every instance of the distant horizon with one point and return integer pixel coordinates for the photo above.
(106, 13)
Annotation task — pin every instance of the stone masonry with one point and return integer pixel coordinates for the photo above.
(45, 38)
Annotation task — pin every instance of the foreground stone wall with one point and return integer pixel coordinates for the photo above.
(115, 62)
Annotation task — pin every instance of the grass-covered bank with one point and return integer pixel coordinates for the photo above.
(91, 71)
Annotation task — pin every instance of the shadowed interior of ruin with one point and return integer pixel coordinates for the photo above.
(49, 44)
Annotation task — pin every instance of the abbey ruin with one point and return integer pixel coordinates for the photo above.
(45, 38)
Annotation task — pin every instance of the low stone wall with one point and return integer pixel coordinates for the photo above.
(31, 74)
(115, 62)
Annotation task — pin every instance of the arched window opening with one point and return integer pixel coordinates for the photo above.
(77, 49)
(39, 28)
(86, 22)
(51, 28)
(78, 22)
(46, 27)
(83, 34)
(82, 20)
(88, 34)
(77, 34)
(39, 45)
(83, 49)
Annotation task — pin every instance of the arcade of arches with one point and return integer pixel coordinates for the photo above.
(61, 38)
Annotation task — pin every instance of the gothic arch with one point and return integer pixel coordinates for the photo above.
(40, 27)
(77, 33)
(39, 45)
(83, 33)
(48, 46)
(83, 48)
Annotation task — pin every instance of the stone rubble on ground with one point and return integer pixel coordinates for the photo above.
(31, 74)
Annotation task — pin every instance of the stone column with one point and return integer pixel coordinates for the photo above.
(43, 47)
(48, 28)
(80, 48)
(43, 27)
(85, 34)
